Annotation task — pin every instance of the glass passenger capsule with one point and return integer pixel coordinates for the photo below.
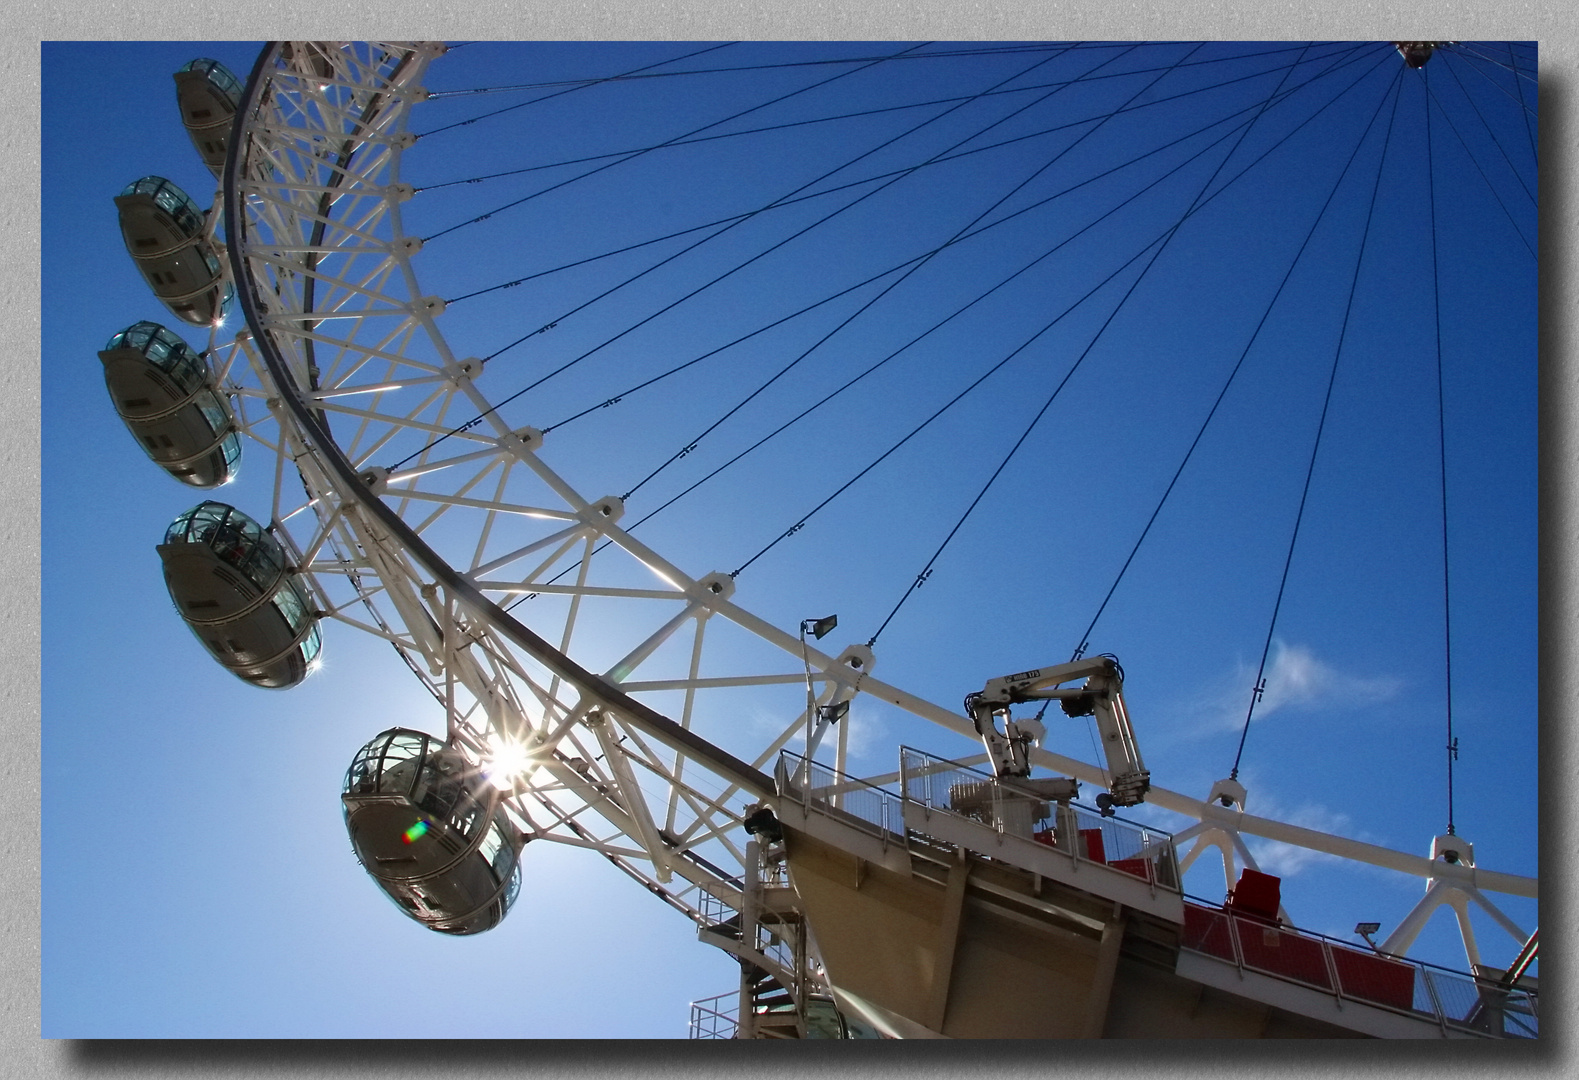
(208, 94)
(231, 582)
(430, 829)
(163, 230)
(166, 396)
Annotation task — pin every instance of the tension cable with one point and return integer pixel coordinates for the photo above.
(1441, 430)
(580, 85)
(1260, 683)
(677, 138)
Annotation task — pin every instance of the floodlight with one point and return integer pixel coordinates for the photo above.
(818, 628)
(832, 714)
(1366, 929)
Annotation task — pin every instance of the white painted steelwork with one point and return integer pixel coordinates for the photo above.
(343, 360)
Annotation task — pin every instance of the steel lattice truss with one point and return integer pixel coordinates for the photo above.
(522, 606)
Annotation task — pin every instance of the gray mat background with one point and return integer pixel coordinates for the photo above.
(24, 1054)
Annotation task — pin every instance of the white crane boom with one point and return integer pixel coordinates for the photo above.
(1101, 695)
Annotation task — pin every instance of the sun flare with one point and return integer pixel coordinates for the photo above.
(505, 764)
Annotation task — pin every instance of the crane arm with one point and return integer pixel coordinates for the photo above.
(1100, 695)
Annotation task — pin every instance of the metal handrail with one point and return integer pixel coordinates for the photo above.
(1130, 840)
(711, 1022)
(1484, 994)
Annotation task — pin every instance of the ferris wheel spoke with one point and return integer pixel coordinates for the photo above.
(342, 291)
(472, 458)
(340, 390)
(363, 345)
(561, 542)
(396, 421)
(685, 719)
(384, 349)
(408, 494)
(327, 526)
(285, 214)
(401, 640)
(720, 682)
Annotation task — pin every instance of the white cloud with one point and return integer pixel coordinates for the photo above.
(1296, 680)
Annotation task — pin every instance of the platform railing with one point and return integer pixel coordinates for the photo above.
(715, 1017)
(1453, 1000)
(1081, 832)
(945, 786)
(872, 808)
(715, 911)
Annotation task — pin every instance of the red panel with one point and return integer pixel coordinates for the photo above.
(1375, 978)
(1095, 851)
(1206, 930)
(1283, 952)
(1138, 867)
(1361, 975)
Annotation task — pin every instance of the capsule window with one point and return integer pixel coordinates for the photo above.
(209, 407)
(311, 644)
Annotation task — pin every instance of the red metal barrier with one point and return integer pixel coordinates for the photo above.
(1283, 952)
(1368, 977)
(1206, 931)
(1141, 868)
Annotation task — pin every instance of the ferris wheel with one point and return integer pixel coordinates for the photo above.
(595, 693)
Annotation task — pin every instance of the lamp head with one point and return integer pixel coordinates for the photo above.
(819, 628)
(832, 714)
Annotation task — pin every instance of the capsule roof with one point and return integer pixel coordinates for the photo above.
(234, 537)
(164, 349)
(217, 74)
(168, 196)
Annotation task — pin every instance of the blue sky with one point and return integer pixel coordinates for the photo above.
(210, 806)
